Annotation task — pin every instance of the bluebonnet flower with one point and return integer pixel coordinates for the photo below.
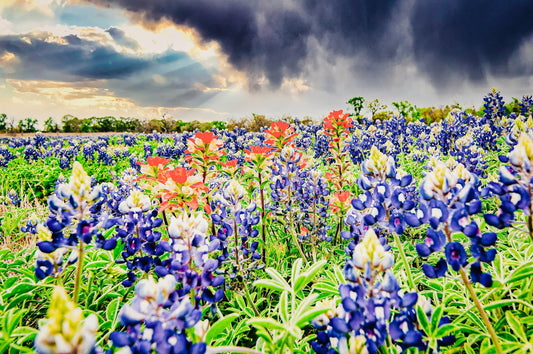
(235, 230)
(14, 198)
(526, 105)
(65, 330)
(189, 258)
(158, 318)
(71, 220)
(364, 320)
(514, 187)
(452, 198)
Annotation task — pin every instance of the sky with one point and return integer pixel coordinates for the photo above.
(223, 59)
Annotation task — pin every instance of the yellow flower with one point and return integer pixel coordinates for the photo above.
(43, 233)
(80, 182)
(358, 345)
(371, 250)
(522, 154)
(65, 330)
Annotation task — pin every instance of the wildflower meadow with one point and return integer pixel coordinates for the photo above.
(348, 235)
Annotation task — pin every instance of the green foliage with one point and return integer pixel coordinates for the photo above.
(282, 331)
(27, 125)
(375, 106)
(357, 103)
(3, 122)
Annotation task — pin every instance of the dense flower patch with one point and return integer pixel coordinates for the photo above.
(349, 236)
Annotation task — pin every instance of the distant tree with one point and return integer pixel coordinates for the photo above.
(152, 125)
(257, 122)
(3, 122)
(513, 107)
(375, 106)
(50, 126)
(71, 124)
(221, 125)
(28, 125)
(404, 108)
(357, 103)
(433, 114)
(87, 125)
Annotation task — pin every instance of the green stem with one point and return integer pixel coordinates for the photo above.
(482, 312)
(263, 231)
(79, 270)
(235, 232)
(249, 299)
(530, 226)
(404, 260)
(231, 349)
(293, 233)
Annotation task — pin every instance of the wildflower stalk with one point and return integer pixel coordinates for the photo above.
(482, 312)
(79, 270)
(236, 233)
(263, 231)
(293, 233)
(404, 261)
(295, 240)
(249, 299)
(474, 298)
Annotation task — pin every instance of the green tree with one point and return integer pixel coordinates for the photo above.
(219, 124)
(50, 126)
(71, 124)
(3, 122)
(27, 125)
(357, 103)
(375, 106)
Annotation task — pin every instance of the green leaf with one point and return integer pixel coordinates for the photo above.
(25, 334)
(112, 310)
(435, 318)
(278, 278)
(303, 307)
(503, 303)
(520, 273)
(445, 330)
(296, 268)
(309, 315)
(284, 307)
(310, 274)
(118, 249)
(516, 326)
(423, 321)
(219, 326)
(268, 323)
(269, 284)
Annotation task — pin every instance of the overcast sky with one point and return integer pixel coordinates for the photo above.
(220, 59)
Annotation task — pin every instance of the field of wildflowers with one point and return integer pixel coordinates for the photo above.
(349, 236)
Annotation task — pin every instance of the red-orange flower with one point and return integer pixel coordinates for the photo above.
(153, 166)
(206, 137)
(337, 123)
(340, 202)
(280, 134)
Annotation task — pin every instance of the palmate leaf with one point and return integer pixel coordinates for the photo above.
(269, 284)
(520, 273)
(516, 326)
(283, 307)
(267, 323)
(219, 326)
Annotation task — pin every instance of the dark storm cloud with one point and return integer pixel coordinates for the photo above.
(470, 37)
(169, 79)
(120, 37)
(278, 38)
(39, 59)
